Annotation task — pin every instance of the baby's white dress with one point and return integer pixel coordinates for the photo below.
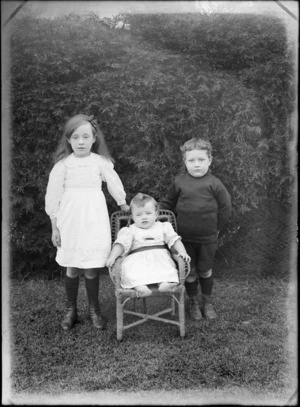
(74, 196)
(149, 266)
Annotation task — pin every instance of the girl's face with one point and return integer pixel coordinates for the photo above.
(197, 162)
(144, 216)
(82, 140)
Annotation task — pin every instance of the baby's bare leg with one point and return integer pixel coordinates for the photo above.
(143, 291)
(164, 287)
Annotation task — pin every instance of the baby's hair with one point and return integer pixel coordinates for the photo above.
(196, 144)
(141, 199)
(99, 146)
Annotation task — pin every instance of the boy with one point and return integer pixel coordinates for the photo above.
(203, 206)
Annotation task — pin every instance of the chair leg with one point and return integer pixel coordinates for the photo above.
(173, 307)
(145, 305)
(135, 304)
(181, 314)
(120, 318)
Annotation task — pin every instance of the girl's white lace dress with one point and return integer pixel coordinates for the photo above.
(74, 196)
(149, 266)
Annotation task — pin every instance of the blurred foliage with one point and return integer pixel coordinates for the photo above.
(151, 87)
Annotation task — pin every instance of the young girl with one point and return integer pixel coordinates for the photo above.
(77, 208)
(148, 260)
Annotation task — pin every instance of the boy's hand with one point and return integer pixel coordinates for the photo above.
(185, 256)
(56, 238)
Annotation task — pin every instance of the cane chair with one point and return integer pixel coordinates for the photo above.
(120, 219)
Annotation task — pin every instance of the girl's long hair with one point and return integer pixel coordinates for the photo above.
(64, 148)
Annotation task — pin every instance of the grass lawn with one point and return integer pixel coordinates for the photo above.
(247, 355)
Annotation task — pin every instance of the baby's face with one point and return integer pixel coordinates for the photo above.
(197, 162)
(144, 216)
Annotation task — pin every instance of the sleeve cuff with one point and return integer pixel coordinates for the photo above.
(173, 241)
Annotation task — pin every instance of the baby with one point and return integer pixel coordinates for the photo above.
(146, 244)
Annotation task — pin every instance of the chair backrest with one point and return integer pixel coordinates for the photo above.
(121, 219)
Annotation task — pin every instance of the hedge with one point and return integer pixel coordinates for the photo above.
(151, 88)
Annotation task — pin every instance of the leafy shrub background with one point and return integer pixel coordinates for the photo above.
(167, 79)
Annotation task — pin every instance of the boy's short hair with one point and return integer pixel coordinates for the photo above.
(196, 144)
(141, 199)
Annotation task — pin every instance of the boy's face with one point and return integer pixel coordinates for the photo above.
(144, 216)
(197, 162)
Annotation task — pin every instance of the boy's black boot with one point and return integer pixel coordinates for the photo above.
(71, 317)
(194, 309)
(192, 292)
(208, 308)
(206, 290)
(92, 289)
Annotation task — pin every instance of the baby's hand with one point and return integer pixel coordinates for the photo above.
(185, 256)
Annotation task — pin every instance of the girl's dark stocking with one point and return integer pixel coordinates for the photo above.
(92, 289)
(71, 286)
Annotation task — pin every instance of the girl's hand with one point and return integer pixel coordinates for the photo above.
(110, 261)
(125, 207)
(56, 238)
(185, 256)
(116, 251)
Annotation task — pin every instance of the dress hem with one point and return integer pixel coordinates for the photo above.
(83, 266)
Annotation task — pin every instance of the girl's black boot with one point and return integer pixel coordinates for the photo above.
(71, 316)
(92, 289)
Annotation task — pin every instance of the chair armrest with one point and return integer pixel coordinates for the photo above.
(183, 267)
(115, 272)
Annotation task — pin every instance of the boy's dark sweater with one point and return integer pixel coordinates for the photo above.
(202, 205)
